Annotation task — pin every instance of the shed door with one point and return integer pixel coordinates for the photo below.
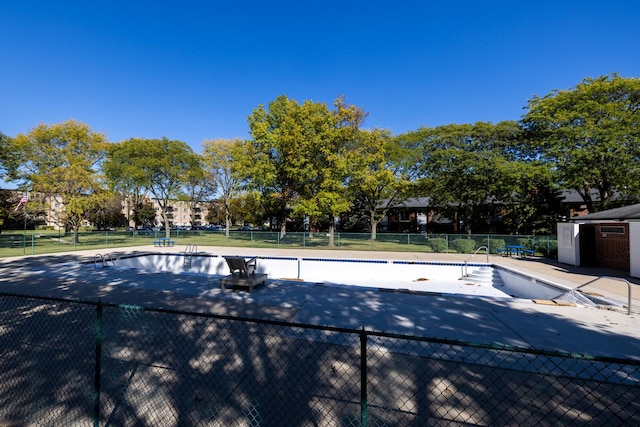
(588, 245)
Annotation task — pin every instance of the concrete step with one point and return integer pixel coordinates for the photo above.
(486, 276)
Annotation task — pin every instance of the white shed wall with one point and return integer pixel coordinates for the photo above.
(569, 243)
(634, 249)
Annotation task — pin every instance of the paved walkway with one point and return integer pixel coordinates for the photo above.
(515, 322)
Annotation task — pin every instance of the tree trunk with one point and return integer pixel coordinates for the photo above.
(374, 227)
(585, 192)
(167, 229)
(331, 237)
(310, 230)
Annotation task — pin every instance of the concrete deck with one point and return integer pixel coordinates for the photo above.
(516, 322)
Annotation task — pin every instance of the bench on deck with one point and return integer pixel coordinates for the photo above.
(163, 241)
(243, 273)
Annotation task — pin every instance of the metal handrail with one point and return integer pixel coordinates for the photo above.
(95, 258)
(103, 261)
(108, 258)
(464, 268)
(620, 279)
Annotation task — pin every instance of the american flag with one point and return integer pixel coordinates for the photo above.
(23, 201)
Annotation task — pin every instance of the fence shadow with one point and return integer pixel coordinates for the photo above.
(179, 361)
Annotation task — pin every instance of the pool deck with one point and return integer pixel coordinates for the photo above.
(516, 322)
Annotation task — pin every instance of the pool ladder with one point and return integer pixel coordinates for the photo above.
(104, 260)
(465, 272)
(188, 254)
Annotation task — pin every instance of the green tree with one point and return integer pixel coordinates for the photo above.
(63, 159)
(538, 211)
(302, 153)
(107, 212)
(243, 208)
(199, 186)
(469, 167)
(215, 212)
(9, 157)
(247, 209)
(221, 158)
(144, 214)
(160, 166)
(125, 177)
(380, 175)
(274, 157)
(590, 136)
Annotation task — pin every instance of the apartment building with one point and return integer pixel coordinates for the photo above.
(49, 209)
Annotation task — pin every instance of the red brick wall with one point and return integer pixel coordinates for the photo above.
(612, 250)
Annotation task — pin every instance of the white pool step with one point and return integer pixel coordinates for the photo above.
(485, 276)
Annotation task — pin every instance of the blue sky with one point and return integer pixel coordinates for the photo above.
(194, 70)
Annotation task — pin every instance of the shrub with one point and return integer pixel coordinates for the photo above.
(463, 246)
(527, 242)
(437, 244)
(549, 250)
(494, 244)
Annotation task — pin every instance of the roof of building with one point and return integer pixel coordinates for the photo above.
(626, 213)
(573, 197)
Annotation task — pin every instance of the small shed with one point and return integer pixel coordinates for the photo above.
(608, 238)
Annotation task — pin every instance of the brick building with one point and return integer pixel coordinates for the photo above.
(608, 238)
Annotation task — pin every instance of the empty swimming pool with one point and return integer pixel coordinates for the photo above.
(463, 279)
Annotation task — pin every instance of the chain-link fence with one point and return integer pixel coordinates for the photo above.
(80, 363)
(40, 242)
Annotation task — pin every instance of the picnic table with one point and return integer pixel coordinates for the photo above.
(517, 250)
(163, 241)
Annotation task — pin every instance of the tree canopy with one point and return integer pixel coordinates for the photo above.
(221, 159)
(380, 175)
(160, 166)
(467, 168)
(590, 136)
(312, 162)
(302, 153)
(63, 159)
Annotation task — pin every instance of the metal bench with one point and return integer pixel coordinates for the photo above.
(163, 241)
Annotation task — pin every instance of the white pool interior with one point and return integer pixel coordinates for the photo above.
(463, 279)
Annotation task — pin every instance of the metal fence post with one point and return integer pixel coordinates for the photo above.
(98, 366)
(363, 378)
